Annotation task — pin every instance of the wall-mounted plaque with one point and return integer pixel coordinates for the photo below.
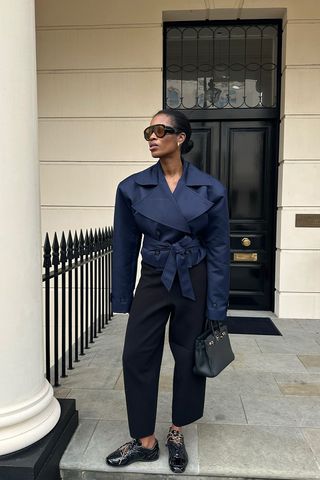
(308, 220)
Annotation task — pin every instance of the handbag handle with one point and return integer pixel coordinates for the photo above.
(215, 325)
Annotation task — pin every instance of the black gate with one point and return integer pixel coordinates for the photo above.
(225, 76)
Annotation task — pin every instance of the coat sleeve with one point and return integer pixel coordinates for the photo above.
(126, 246)
(217, 242)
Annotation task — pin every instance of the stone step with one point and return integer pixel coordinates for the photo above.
(92, 475)
(261, 418)
(215, 451)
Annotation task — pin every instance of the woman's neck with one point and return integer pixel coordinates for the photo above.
(172, 166)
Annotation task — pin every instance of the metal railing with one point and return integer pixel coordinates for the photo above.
(77, 274)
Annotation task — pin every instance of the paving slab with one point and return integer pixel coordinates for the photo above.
(308, 389)
(109, 435)
(242, 381)
(255, 452)
(282, 410)
(79, 442)
(291, 343)
(221, 407)
(268, 362)
(261, 416)
(109, 358)
(312, 436)
(310, 325)
(92, 377)
(304, 384)
(112, 344)
(60, 392)
(287, 326)
(218, 408)
(241, 343)
(299, 378)
(311, 362)
(100, 404)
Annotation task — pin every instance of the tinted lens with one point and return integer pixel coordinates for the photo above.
(159, 130)
(148, 132)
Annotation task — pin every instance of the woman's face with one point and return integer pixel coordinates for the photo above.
(167, 145)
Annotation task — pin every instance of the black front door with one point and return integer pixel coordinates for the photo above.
(242, 155)
(225, 76)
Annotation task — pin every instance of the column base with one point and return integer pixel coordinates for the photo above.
(40, 461)
(27, 422)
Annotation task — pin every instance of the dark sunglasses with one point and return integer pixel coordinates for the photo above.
(159, 130)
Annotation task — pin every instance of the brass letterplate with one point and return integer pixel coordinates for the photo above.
(245, 257)
(308, 220)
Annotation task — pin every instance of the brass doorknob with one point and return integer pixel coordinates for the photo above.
(246, 242)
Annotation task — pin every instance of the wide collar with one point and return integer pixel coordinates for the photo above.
(192, 175)
(175, 209)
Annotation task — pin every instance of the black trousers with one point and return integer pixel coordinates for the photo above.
(143, 348)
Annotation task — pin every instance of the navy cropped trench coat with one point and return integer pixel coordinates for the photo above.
(179, 230)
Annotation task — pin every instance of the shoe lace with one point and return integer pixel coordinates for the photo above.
(175, 437)
(126, 446)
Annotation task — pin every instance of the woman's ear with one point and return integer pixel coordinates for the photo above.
(181, 138)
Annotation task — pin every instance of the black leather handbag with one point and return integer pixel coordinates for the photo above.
(213, 350)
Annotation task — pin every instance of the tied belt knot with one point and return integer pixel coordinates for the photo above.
(176, 261)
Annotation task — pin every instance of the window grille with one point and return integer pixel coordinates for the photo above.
(221, 66)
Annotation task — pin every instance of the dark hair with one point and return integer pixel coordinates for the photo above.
(180, 122)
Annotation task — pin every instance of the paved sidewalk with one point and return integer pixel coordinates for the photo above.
(261, 419)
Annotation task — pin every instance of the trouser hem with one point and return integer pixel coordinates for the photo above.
(141, 435)
(187, 422)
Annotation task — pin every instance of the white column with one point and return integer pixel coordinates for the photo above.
(28, 409)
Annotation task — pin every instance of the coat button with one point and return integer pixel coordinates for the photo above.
(158, 232)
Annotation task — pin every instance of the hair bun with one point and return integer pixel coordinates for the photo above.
(187, 147)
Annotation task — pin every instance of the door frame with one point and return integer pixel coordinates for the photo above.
(234, 114)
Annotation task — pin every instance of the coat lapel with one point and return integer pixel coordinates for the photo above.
(189, 199)
(172, 209)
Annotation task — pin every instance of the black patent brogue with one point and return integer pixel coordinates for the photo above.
(178, 456)
(133, 451)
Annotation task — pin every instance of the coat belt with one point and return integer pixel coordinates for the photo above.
(176, 261)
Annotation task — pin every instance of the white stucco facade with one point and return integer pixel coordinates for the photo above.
(99, 81)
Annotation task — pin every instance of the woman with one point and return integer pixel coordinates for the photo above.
(183, 214)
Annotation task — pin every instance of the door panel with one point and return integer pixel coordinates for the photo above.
(246, 173)
(206, 152)
(241, 155)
